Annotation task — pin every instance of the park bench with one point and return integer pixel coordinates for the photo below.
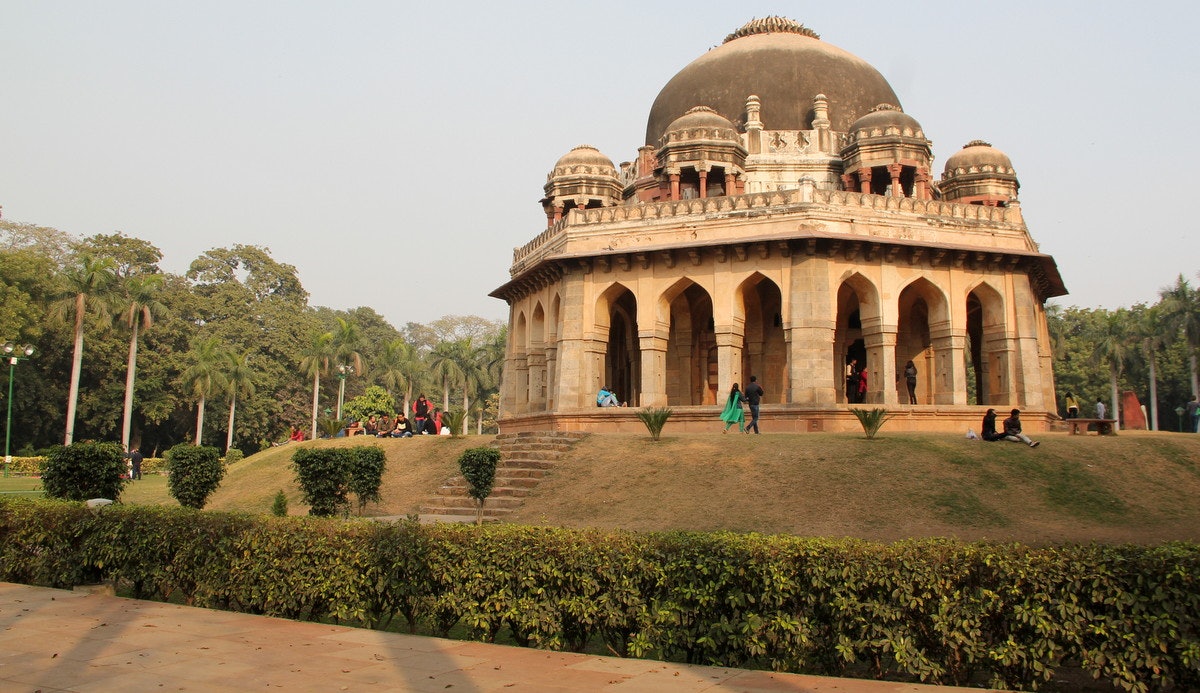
(1104, 427)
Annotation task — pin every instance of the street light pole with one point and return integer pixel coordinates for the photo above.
(9, 348)
(343, 371)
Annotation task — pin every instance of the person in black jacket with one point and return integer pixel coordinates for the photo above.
(754, 393)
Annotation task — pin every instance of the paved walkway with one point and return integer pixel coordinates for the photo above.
(54, 640)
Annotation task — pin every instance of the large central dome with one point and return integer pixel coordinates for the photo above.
(785, 65)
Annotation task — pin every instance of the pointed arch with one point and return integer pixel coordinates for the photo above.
(988, 346)
(765, 352)
(858, 305)
(536, 358)
(691, 358)
(616, 336)
(520, 361)
(923, 333)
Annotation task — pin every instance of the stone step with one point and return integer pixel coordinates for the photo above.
(535, 447)
(525, 463)
(463, 491)
(463, 512)
(463, 502)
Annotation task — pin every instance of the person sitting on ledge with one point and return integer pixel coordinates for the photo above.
(606, 398)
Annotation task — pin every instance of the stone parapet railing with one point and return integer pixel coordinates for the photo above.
(764, 201)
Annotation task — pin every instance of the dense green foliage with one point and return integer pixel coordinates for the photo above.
(194, 473)
(251, 309)
(327, 477)
(478, 467)
(936, 611)
(654, 418)
(82, 471)
(375, 401)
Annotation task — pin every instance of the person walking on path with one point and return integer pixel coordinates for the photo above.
(1012, 430)
(910, 379)
(733, 413)
(754, 393)
(135, 460)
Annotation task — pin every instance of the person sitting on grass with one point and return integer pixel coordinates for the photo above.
(1012, 430)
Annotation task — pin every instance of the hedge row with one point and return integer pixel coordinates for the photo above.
(34, 466)
(1004, 615)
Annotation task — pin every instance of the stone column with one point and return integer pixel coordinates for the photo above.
(730, 182)
(1027, 308)
(551, 377)
(949, 347)
(521, 375)
(673, 175)
(848, 182)
(702, 170)
(880, 340)
(922, 185)
(864, 180)
(894, 171)
(558, 213)
(653, 347)
(536, 363)
(809, 332)
(729, 361)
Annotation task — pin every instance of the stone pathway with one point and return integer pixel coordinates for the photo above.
(54, 640)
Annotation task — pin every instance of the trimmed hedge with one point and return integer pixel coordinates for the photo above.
(939, 611)
(34, 466)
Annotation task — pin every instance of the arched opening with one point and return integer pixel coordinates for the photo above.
(537, 359)
(857, 303)
(691, 359)
(765, 352)
(988, 377)
(923, 336)
(520, 356)
(622, 368)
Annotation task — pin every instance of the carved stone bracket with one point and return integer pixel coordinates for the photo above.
(643, 260)
(667, 257)
(604, 264)
(739, 253)
(721, 253)
(694, 256)
(623, 262)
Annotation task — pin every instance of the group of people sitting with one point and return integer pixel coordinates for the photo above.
(426, 420)
(1012, 429)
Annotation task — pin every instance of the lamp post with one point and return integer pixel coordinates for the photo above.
(343, 370)
(25, 351)
(1179, 412)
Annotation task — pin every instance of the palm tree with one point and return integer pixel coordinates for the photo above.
(492, 362)
(1150, 339)
(347, 340)
(141, 307)
(1181, 317)
(239, 380)
(85, 287)
(394, 369)
(314, 361)
(1111, 348)
(205, 375)
(446, 364)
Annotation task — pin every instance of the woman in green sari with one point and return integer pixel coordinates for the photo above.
(734, 414)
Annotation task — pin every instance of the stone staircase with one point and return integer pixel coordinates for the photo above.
(524, 459)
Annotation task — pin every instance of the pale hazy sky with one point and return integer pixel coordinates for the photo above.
(395, 152)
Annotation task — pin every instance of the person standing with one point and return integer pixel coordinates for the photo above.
(1101, 410)
(420, 413)
(733, 413)
(852, 381)
(135, 460)
(910, 379)
(754, 393)
(1012, 430)
(1193, 413)
(1072, 406)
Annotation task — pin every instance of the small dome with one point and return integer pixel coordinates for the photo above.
(585, 155)
(886, 119)
(700, 117)
(978, 156)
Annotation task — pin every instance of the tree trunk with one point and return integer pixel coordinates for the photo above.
(316, 394)
(76, 369)
(130, 370)
(466, 416)
(1192, 366)
(1116, 412)
(229, 436)
(445, 394)
(479, 426)
(199, 420)
(1153, 393)
(478, 511)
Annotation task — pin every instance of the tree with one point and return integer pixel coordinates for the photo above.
(1181, 317)
(347, 343)
(374, 402)
(1111, 348)
(446, 364)
(239, 380)
(204, 376)
(85, 287)
(140, 308)
(1150, 340)
(478, 467)
(83, 471)
(195, 472)
(315, 361)
(396, 367)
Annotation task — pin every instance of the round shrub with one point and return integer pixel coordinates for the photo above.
(194, 472)
(83, 471)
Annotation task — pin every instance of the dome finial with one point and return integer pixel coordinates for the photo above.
(771, 25)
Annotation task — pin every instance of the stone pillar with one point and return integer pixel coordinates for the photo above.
(729, 361)
(754, 126)
(536, 363)
(702, 170)
(1027, 308)
(551, 377)
(848, 182)
(809, 332)
(922, 186)
(821, 123)
(521, 375)
(864, 180)
(880, 340)
(653, 347)
(558, 213)
(950, 377)
(674, 178)
(894, 171)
